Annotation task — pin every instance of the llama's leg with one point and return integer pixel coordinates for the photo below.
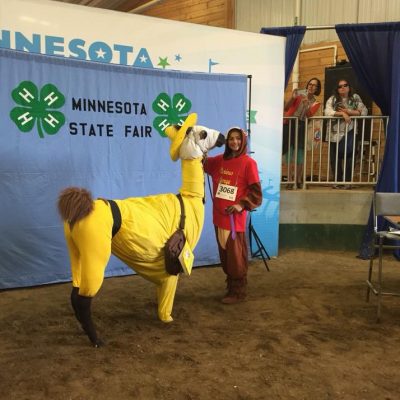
(83, 305)
(166, 294)
(94, 249)
(82, 310)
(75, 269)
(74, 301)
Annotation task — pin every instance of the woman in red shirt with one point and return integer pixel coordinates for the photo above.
(302, 104)
(236, 190)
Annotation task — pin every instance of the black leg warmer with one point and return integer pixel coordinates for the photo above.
(84, 316)
(74, 302)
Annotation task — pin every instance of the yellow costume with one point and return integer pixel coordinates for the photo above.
(146, 224)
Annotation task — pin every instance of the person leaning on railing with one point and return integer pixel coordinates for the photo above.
(302, 105)
(345, 104)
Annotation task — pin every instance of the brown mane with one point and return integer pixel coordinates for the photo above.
(74, 204)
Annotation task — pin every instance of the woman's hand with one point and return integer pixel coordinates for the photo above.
(305, 101)
(291, 100)
(343, 112)
(353, 113)
(235, 208)
(346, 117)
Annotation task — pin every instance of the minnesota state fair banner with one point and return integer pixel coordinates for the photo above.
(100, 126)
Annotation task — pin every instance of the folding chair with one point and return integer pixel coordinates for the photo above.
(384, 204)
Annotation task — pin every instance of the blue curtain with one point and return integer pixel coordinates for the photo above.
(294, 36)
(374, 52)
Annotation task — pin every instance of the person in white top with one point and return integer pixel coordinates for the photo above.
(343, 104)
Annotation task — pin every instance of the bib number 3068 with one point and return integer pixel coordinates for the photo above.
(226, 192)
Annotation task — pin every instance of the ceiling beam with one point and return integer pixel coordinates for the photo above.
(132, 5)
(128, 5)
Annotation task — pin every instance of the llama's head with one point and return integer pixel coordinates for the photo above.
(198, 141)
(189, 141)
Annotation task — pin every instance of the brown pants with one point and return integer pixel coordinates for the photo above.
(234, 262)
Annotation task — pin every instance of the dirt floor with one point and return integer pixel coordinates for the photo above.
(305, 332)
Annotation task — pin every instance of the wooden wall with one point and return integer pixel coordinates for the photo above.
(312, 63)
(219, 13)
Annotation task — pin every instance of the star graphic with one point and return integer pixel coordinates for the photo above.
(178, 57)
(163, 62)
(252, 116)
(100, 53)
(143, 59)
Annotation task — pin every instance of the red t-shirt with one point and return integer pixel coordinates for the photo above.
(239, 171)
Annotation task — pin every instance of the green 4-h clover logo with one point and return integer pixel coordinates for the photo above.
(37, 107)
(171, 111)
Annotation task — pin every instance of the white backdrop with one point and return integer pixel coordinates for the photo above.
(59, 29)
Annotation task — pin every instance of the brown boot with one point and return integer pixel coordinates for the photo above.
(242, 286)
(229, 291)
(236, 291)
(228, 285)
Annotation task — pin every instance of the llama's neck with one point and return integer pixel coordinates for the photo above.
(192, 178)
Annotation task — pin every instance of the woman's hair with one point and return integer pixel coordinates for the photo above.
(337, 98)
(318, 89)
(243, 146)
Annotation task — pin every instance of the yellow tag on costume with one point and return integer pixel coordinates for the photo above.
(186, 258)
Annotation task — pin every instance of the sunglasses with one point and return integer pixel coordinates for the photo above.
(342, 86)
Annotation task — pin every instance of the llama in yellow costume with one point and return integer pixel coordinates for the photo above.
(146, 223)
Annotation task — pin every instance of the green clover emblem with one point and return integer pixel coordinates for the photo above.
(37, 107)
(171, 111)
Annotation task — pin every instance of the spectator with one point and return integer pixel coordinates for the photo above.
(302, 105)
(344, 104)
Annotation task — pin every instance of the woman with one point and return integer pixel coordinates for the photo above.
(343, 104)
(301, 105)
(236, 190)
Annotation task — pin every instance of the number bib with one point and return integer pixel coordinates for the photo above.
(226, 192)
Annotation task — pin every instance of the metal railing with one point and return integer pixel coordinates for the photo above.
(315, 157)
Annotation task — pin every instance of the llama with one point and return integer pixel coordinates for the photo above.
(135, 229)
